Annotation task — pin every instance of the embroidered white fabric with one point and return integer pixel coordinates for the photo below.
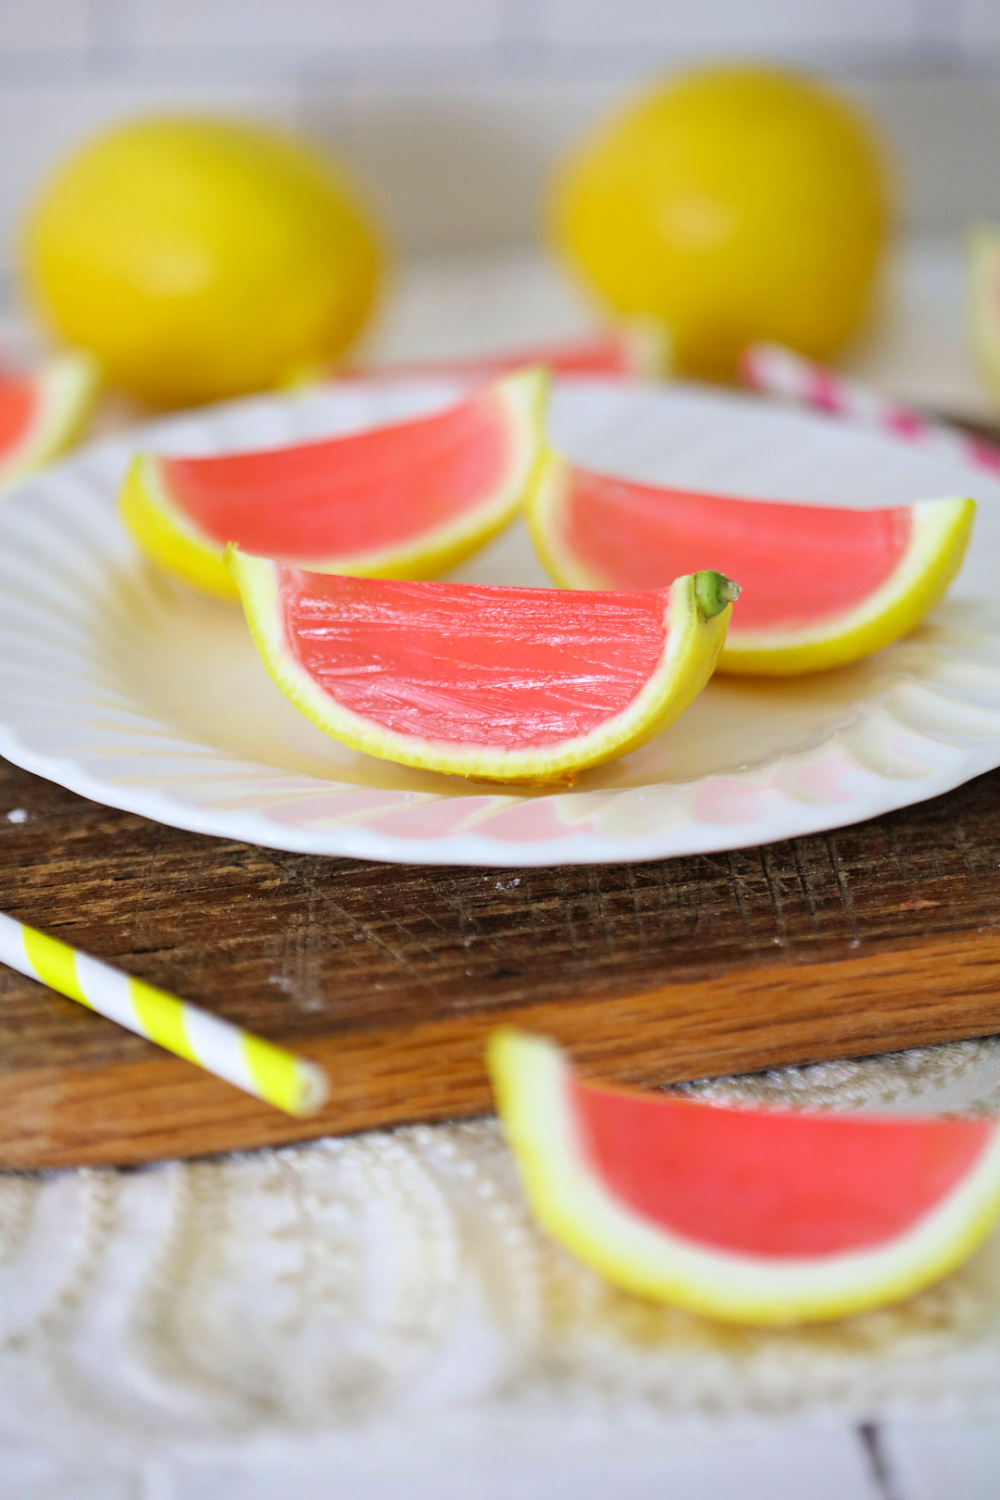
(394, 1282)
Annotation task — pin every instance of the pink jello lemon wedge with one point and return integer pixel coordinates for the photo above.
(822, 586)
(42, 412)
(403, 501)
(500, 684)
(746, 1214)
(637, 348)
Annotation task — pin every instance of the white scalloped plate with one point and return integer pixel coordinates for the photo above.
(119, 684)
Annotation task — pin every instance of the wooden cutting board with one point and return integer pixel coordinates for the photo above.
(878, 936)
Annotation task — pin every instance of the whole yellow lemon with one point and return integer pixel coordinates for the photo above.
(201, 258)
(735, 204)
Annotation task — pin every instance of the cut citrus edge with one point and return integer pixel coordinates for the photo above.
(530, 1077)
(941, 531)
(982, 311)
(650, 344)
(165, 535)
(67, 387)
(687, 662)
(170, 538)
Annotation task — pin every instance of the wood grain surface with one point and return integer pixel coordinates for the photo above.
(882, 935)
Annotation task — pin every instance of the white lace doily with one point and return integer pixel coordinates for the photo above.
(394, 1282)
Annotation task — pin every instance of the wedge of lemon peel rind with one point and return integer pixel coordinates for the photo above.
(169, 534)
(61, 396)
(938, 538)
(534, 1088)
(691, 620)
(982, 301)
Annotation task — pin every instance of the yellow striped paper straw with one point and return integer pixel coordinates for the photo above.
(291, 1083)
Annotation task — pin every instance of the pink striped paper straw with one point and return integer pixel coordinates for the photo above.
(777, 371)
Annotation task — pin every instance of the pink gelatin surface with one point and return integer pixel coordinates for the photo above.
(18, 402)
(508, 667)
(772, 1183)
(796, 564)
(598, 354)
(352, 495)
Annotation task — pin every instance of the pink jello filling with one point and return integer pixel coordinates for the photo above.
(349, 495)
(796, 564)
(763, 1183)
(602, 354)
(508, 667)
(18, 402)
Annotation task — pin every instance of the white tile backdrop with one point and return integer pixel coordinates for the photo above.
(785, 26)
(452, 111)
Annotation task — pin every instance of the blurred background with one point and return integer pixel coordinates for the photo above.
(450, 114)
(451, 111)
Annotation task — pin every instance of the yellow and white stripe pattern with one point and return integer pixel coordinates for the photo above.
(279, 1077)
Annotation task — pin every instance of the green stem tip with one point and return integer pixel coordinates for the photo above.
(714, 591)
